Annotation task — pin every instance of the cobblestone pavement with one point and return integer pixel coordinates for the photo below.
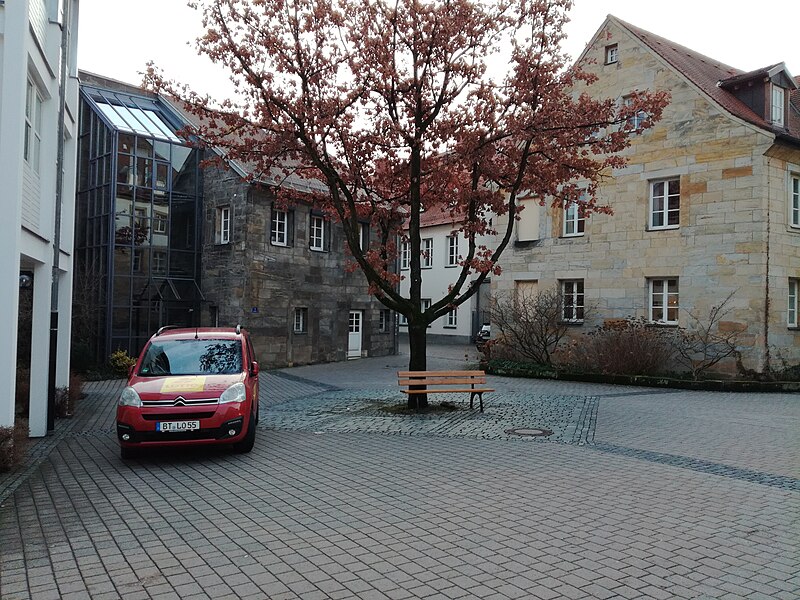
(637, 493)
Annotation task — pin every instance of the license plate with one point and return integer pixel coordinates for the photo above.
(168, 426)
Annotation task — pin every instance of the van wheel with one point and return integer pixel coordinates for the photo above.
(249, 439)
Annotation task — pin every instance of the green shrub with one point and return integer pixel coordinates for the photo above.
(121, 363)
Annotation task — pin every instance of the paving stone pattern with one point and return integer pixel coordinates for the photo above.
(338, 503)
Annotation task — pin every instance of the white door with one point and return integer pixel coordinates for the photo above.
(354, 337)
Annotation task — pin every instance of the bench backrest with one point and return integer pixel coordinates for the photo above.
(440, 377)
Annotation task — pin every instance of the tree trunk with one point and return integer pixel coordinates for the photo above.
(417, 340)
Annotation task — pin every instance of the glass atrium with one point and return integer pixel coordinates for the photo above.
(138, 222)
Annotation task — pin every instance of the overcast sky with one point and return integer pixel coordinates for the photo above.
(117, 39)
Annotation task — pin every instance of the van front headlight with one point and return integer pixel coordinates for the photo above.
(235, 393)
(129, 397)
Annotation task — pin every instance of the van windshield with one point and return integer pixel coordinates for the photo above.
(192, 357)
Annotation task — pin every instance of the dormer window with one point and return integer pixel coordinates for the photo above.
(778, 105)
(611, 54)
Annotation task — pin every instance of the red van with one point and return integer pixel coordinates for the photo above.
(189, 387)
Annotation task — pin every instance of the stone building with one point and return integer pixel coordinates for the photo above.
(162, 241)
(281, 272)
(708, 205)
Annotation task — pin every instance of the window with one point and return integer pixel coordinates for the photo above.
(137, 261)
(222, 234)
(363, 236)
(427, 253)
(794, 201)
(611, 54)
(281, 229)
(452, 318)
(425, 304)
(452, 251)
(300, 320)
(159, 261)
(664, 301)
(635, 121)
(405, 255)
(528, 224)
(383, 321)
(159, 223)
(33, 126)
(778, 105)
(794, 302)
(573, 300)
(316, 238)
(574, 221)
(402, 320)
(665, 204)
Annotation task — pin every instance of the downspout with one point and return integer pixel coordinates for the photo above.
(765, 365)
(62, 103)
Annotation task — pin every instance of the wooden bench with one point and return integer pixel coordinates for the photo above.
(427, 382)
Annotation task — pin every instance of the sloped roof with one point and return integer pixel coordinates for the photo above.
(707, 73)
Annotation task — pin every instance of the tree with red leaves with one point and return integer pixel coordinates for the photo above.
(398, 107)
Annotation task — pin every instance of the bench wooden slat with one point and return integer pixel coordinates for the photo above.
(440, 373)
(438, 390)
(445, 381)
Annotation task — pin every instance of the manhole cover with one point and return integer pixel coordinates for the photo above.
(529, 432)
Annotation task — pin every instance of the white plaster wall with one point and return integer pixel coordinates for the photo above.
(27, 231)
(437, 279)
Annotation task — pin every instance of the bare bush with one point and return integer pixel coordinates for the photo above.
(707, 340)
(622, 347)
(13, 445)
(531, 325)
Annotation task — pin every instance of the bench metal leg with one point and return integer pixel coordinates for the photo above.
(472, 397)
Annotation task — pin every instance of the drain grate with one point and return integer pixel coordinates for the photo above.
(529, 432)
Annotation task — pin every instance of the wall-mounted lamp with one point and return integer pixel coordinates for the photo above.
(25, 280)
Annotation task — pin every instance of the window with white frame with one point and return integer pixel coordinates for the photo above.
(33, 126)
(665, 204)
(405, 255)
(363, 236)
(574, 221)
(279, 232)
(452, 318)
(222, 232)
(635, 120)
(300, 320)
(427, 253)
(794, 200)
(612, 54)
(402, 320)
(794, 303)
(572, 300)
(159, 261)
(159, 223)
(316, 236)
(452, 251)
(778, 105)
(663, 304)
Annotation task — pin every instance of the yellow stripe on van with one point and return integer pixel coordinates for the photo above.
(184, 384)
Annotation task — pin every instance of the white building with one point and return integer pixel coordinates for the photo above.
(443, 247)
(31, 38)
